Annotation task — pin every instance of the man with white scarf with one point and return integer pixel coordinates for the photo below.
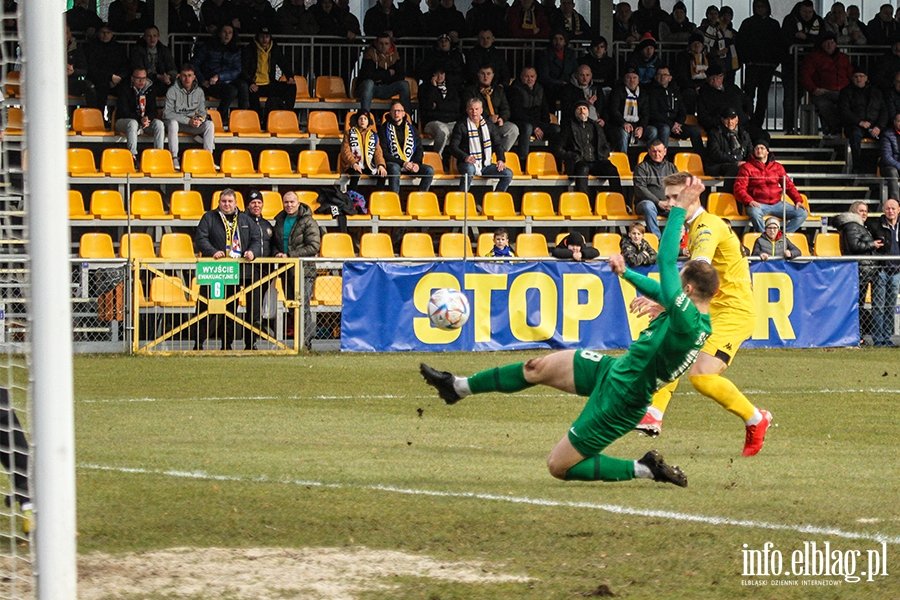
(472, 143)
(629, 112)
(402, 150)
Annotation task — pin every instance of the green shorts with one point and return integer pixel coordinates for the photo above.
(606, 416)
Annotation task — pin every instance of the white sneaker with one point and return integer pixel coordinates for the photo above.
(176, 163)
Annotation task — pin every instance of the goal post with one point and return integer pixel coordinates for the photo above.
(50, 314)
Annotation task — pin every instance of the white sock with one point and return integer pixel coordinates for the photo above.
(655, 413)
(461, 386)
(642, 471)
(755, 419)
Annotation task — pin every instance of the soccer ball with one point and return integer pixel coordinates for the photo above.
(448, 309)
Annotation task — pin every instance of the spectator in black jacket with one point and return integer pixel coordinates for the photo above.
(761, 47)
(863, 113)
(295, 19)
(446, 57)
(441, 106)
(84, 19)
(485, 53)
(857, 240)
(727, 148)
(886, 66)
(215, 13)
(474, 143)
(677, 27)
(107, 63)
(583, 149)
(255, 15)
(264, 52)
(887, 280)
(629, 113)
(648, 16)
(381, 74)
(883, 27)
(333, 21)
(530, 111)
(77, 83)
(129, 16)
(569, 20)
(486, 14)
(801, 28)
(603, 66)
(156, 59)
(716, 96)
(136, 112)
(667, 112)
(573, 247)
(182, 18)
(690, 70)
(445, 18)
(382, 17)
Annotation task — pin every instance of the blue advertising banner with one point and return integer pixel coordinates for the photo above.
(520, 305)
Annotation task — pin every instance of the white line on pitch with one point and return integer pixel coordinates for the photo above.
(401, 396)
(611, 508)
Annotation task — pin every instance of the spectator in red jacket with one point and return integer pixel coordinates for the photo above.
(761, 183)
(824, 74)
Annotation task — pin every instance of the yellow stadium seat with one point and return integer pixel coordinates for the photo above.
(499, 207)
(723, 205)
(512, 163)
(147, 204)
(108, 204)
(827, 244)
(284, 124)
(14, 119)
(118, 162)
(810, 216)
(176, 246)
(89, 121)
(485, 243)
(452, 245)
(652, 240)
(311, 199)
(186, 204)
(245, 123)
(690, 162)
(560, 237)
(276, 163)
(458, 203)
(170, 292)
(302, 89)
(620, 162)
(216, 117)
(337, 245)
(386, 206)
(800, 241)
(417, 245)
(96, 245)
(611, 205)
(136, 245)
(749, 239)
(82, 164)
(158, 163)
(323, 124)
(543, 166)
(327, 291)
(271, 204)
(331, 88)
(539, 206)
(13, 86)
(76, 207)
(199, 163)
(376, 245)
(238, 196)
(315, 165)
(531, 245)
(576, 206)
(237, 162)
(424, 206)
(607, 244)
(433, 159)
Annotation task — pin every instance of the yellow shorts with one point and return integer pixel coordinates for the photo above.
(729, 331)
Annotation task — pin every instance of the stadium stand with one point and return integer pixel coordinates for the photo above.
(417, 245)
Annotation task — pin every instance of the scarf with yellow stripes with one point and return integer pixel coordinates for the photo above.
(403, 149)
(479, 144)
(362, 146)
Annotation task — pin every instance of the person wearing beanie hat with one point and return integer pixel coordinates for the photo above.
(583, 149)
(773, 244)
(629, 112)
(644, 59)
(824, 73)
(255, 297)
(690, 70)
(619, 388)
(727, 148)
(759, 44)
(573, 247)
(760, 185)
(676, 28)
(863, 113)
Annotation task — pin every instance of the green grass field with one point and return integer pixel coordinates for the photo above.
(354, 451)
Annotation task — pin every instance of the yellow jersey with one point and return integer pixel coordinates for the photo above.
(710, 239)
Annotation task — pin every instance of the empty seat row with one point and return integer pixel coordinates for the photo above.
(824, 244)
(175, 246)
(148, 204)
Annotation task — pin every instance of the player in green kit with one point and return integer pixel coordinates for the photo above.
(618, 389)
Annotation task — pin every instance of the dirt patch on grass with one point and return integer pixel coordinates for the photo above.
(265, 573)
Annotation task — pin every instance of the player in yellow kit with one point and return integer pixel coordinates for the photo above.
(733, 318)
